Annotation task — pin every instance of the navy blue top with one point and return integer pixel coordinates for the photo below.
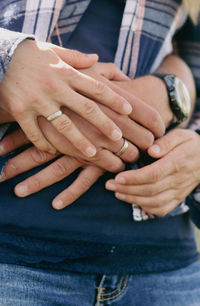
(90, 234)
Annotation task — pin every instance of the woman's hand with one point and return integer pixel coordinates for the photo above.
(159, 187)
(40, 80)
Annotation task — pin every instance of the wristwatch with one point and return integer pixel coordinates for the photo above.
(179, 97)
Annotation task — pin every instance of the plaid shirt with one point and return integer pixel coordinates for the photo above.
(146, 37)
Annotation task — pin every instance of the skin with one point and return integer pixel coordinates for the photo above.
(55, 83)
(161, 186)
(70, 194)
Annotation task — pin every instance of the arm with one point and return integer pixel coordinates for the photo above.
(30, 183)
(160, 187)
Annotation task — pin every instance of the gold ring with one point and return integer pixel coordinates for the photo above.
(54, 115)
(123, 148)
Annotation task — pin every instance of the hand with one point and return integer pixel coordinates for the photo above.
(53, 173)
(155, 94)
(104, 157)
(161, 186)
(146, 118)
(39, 84)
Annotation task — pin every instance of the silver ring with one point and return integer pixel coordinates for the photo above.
(123, 148)
(54, 115)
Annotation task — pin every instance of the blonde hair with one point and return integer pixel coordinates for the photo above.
(193, 8)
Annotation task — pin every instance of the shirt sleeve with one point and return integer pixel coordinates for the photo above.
(9, 41)
(188, 47)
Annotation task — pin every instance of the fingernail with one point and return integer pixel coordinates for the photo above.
(120, 180)
(90, 151)
(116, 134)
(21, 190)
(127, 108)
(93, 55)
(155, 149)
(120, 196)
(58, 204)
(110, 186)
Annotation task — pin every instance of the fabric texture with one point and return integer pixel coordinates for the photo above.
(29, 287)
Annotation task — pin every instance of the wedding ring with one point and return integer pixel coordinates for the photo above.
(54, 115)
(123, 148)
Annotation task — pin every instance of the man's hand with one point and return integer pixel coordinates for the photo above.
(161, 186)
(42, 82)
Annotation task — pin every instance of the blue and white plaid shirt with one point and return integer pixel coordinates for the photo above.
(146, 37)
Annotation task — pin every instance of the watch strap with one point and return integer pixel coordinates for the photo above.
(169, 80)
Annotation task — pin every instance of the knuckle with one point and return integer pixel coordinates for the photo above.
(132, 155)
(180, 164)
(34, 136)
(99, 89)
(155, 176)
(151, 191)
(38, 156)
(90, 107)
(180, 180)
(63, 124)
(18, 109)
(59, 169)
(50, 84)
(115, 167)
(70, 73)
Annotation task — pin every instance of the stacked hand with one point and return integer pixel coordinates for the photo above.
(139, 128)
(42, 82)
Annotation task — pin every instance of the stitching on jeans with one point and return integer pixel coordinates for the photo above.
(112, 297)
(118, 288)
(100, 289)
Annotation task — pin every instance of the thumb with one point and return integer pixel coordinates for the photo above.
(75, 58)
(168, 142)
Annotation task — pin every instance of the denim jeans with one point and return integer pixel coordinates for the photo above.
(25, 286)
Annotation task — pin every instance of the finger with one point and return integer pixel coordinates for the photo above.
(147, 190)
(84, 181)
(13, 141)
(148, 174)
(92, 113)
(165, 144)
(132, 131)
(130, 155)
(75, 58)
(25, 161)
(164, 210)
(67, 128)
(147, 116)
(98, 91)
(142, 113)
(108, 161)
(159, 200)
(108, 70)
(55, 172)
(30, 127)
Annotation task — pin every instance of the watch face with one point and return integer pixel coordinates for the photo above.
(182, 97)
